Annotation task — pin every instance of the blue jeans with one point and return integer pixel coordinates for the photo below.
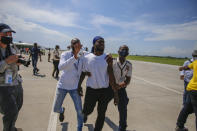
(185, 93)
(34, 64)
(60, 95)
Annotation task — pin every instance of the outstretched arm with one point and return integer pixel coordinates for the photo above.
(183, 68)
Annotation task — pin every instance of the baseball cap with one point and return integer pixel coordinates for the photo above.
(5, 28)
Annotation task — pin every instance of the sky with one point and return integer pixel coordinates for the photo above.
(147, 27)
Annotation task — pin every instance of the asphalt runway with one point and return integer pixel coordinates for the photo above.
(155, 94)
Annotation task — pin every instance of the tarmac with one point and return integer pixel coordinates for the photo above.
(155, 100)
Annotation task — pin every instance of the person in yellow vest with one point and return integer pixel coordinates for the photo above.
(192, 90)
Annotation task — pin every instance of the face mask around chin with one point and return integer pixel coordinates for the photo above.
(6, 40)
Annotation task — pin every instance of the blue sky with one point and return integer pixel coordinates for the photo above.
(148, 27)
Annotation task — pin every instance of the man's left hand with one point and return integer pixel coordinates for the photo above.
(109, 59)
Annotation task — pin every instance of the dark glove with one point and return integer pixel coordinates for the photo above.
(80, 91)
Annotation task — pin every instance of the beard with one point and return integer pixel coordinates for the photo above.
(99, 49)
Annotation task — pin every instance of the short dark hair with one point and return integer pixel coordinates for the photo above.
(124, 46)
(73, 42)
(57, 46)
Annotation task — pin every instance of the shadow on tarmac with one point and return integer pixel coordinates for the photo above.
(64, 126)
(90, 127)
(40, 75)
(113, 125)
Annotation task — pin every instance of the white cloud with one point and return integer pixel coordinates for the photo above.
(185, 31)
(174, 51)
(25, 11)
(31, 32)
(99, 20)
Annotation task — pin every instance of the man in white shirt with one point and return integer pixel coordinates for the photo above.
(122, 71)
(98, 89)
(68, 82)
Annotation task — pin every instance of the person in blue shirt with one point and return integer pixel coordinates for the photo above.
(35, 52)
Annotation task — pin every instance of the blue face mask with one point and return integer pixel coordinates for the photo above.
(123, 53)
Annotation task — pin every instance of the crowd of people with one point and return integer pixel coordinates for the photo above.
(107, 78)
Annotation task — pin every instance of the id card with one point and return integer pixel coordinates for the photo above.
(8, 77)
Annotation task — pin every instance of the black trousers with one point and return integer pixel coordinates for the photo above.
(122, 108)
(103, 97)
(55, 68)
(189, 107)
(11, 101)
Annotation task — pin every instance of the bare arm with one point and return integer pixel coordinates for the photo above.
(112, 80)
(184, 68)
(80, 90)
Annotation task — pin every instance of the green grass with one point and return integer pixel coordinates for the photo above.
(157, 59)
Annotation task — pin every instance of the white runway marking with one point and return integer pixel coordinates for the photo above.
(158, 85)
(53, 119)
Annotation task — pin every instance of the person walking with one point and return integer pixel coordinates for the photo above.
(49, 55)
(100, 77)
(68, 82)
(122, 71)
(35, 52)
(186, 75)
(11, 91)
(56, 60)
(190, 105)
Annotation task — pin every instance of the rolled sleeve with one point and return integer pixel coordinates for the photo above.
(66, 62)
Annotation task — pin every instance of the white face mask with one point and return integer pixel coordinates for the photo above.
(195, 58)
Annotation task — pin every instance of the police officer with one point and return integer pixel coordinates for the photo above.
(11, 92)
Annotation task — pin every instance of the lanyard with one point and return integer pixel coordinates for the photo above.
(121, 69)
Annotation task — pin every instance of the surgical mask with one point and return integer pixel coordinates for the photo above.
(6, 40)
(123, 53)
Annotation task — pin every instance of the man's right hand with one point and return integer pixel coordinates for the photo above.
(11, 59)
(77, 48)
(80, 91)
(182, 77)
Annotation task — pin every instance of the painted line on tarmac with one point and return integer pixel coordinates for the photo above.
(158, 85)
(53, 119)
